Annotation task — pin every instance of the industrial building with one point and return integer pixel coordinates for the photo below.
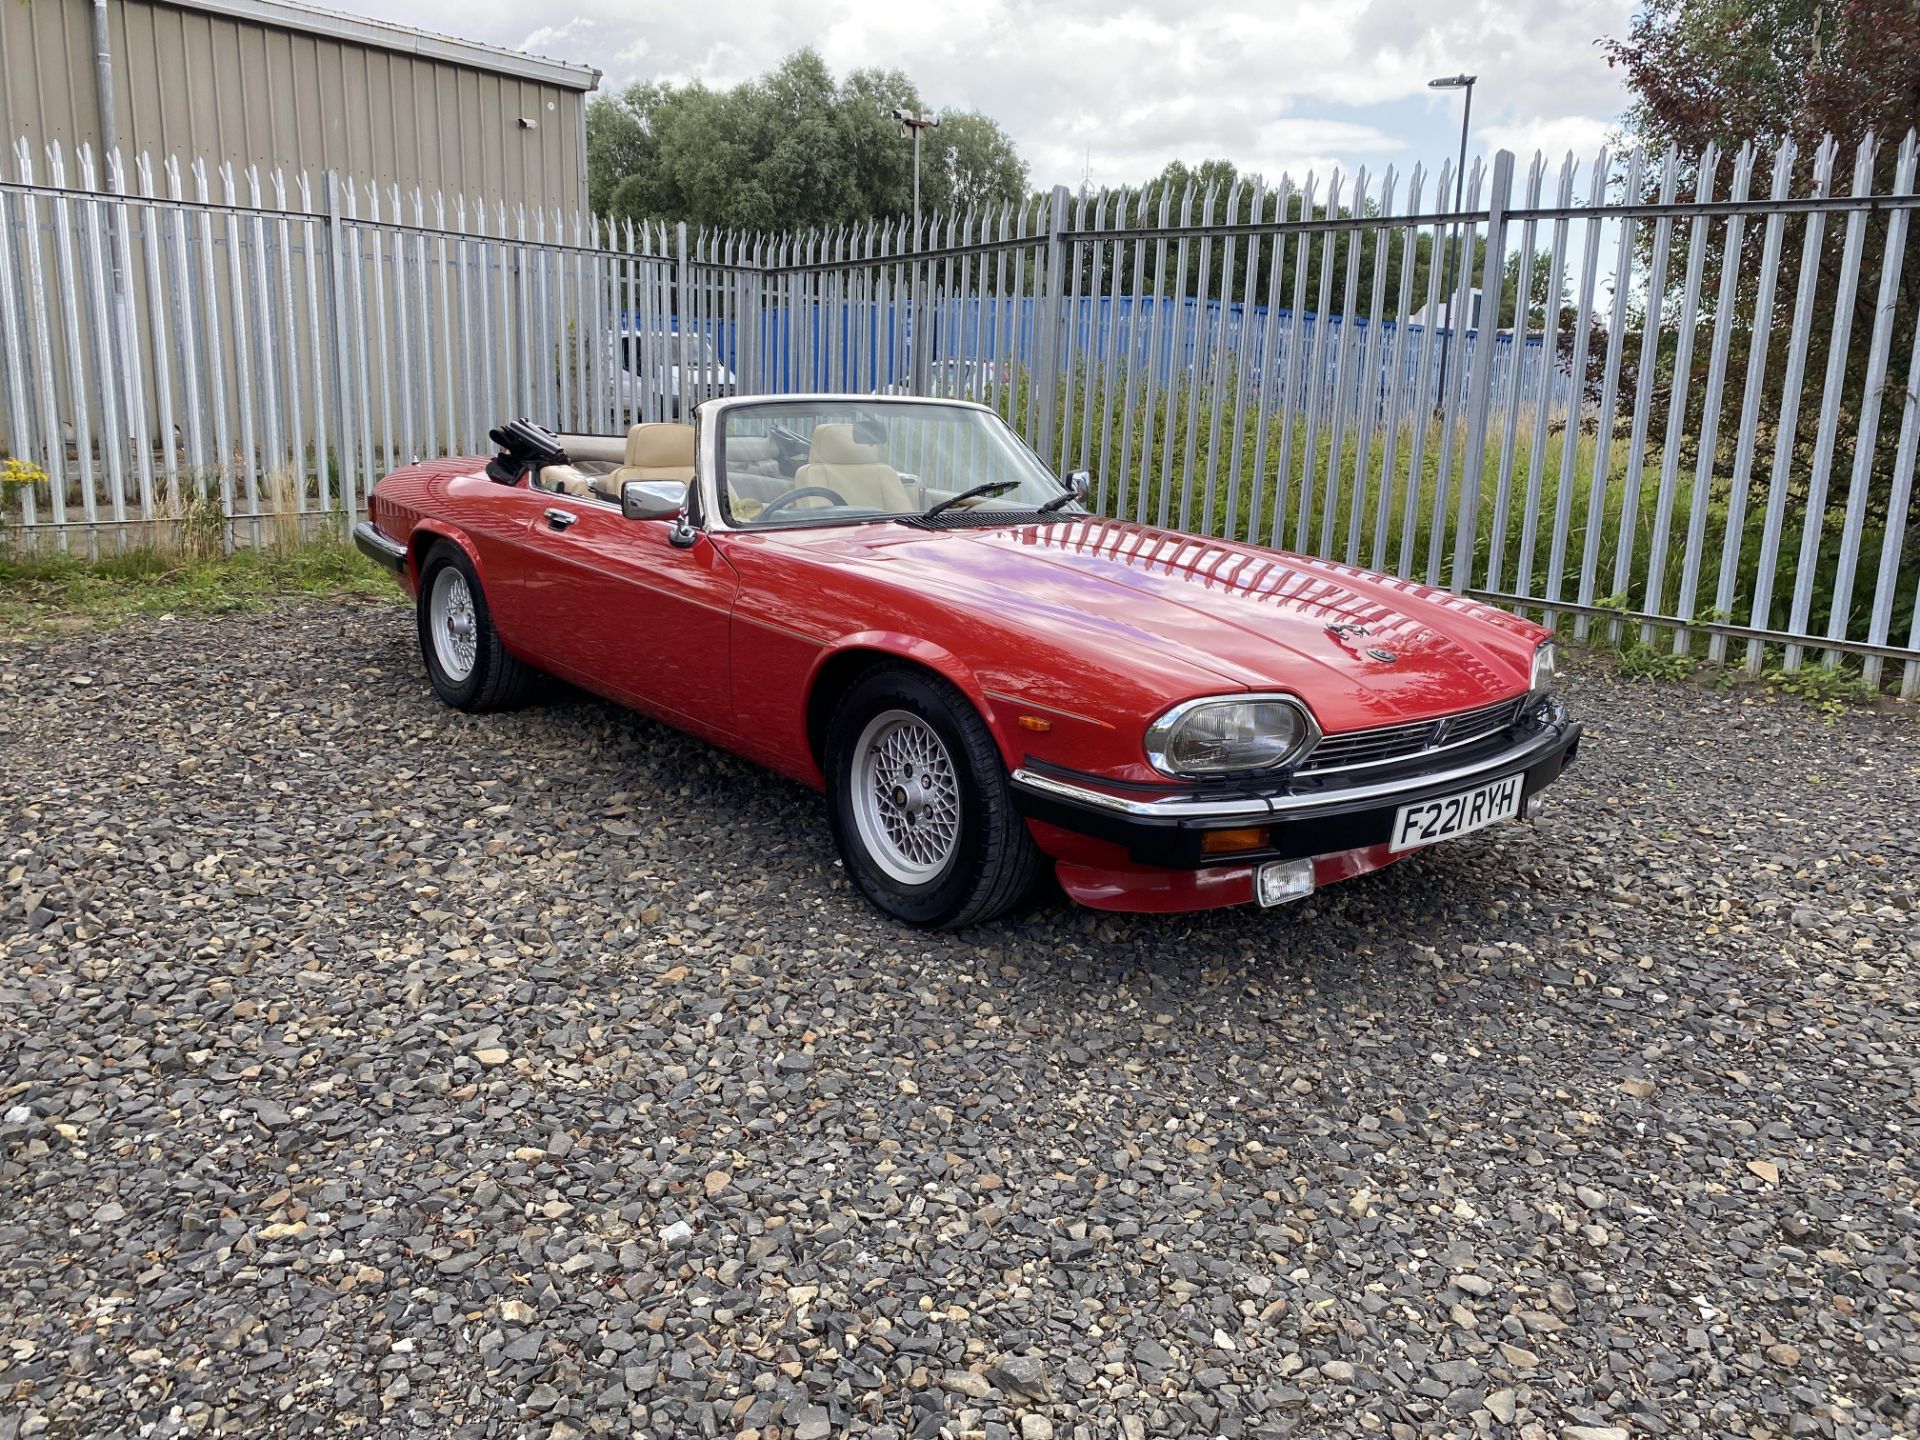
(267, 83)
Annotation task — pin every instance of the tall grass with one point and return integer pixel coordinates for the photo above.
(181, 564)
(1405, 518)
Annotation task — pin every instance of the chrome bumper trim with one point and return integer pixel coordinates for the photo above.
(390, 554)
(1285, 807)
(1174, 807)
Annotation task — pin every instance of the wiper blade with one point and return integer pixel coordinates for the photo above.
(1065, 497)
(992, 487)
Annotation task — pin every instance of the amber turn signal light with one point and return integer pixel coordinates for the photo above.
(1227, 842)
(1035, 724)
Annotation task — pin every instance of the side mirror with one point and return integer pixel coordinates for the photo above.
(652, 499)
(1081, 483)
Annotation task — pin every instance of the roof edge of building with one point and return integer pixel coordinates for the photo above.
(380, 34)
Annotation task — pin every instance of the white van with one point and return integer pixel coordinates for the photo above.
(649, 377)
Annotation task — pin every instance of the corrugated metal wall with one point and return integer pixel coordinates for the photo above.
(192, 83)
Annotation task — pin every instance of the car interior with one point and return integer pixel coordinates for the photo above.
(837, 461)
(759, 467)
(601, 464)
(781, 463)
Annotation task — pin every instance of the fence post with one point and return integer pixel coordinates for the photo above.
(343, 438)
(1480, 393)
(1050, 318)
(754, 381)
(919, 362)
(682, 310)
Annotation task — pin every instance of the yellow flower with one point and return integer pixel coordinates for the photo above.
(21, 472)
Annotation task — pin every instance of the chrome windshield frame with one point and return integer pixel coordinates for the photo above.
(710, 420)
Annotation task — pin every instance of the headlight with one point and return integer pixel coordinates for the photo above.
(1546, 668)
(1230, 735)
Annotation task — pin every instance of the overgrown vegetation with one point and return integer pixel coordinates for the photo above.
(183, 574)
(1782, 76)
(1158, 465)
(1829, 691)
(1633, 656)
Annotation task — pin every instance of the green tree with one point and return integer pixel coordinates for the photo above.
(790, 150)
(1381, 247)
(977, 166)
(1728, 71)
(1722, 73)
(1540, 297)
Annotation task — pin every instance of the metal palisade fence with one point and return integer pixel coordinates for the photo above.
(1681, 404)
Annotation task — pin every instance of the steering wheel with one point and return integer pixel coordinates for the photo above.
(790, 449)
(780, 502)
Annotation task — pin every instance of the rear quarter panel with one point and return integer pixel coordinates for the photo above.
(455, 500)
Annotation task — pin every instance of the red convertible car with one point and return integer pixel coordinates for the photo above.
(894, 600)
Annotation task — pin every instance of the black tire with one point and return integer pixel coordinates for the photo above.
(994, 862)
(495, 680)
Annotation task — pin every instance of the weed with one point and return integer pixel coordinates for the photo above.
(1831, 692)
(21, 473)
(39, 591)
(1640, 662)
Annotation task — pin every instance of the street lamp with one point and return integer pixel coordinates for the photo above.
(912, 124)
(1454, 82)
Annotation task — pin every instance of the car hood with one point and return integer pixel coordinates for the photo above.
(1365, 649)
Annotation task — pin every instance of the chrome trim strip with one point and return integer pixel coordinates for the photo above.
(1173, 806)
(1285, 807)
(389, 553)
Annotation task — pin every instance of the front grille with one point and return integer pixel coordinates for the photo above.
(1389, 743)
(982, 519)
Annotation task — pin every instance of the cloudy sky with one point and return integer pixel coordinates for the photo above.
(1117, 90)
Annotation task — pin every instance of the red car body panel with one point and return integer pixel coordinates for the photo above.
(1101, 877)
(1087, 628)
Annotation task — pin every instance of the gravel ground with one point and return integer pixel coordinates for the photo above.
(370, 1068)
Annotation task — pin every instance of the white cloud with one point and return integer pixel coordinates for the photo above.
(1122, 90)
(551, 39)
(1554, 137)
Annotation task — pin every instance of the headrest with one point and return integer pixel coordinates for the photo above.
(752, 447)
(835, 445)
(660, 446)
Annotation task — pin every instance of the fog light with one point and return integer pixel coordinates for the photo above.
(1226, 842)
(1279, 881)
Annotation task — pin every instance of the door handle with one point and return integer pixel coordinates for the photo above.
(560, 519)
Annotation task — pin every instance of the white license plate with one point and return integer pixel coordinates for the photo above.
(1454, 815)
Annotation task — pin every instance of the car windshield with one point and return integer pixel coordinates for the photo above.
(825, 462)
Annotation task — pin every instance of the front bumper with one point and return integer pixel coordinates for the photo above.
(390, 554)
(1164, 826)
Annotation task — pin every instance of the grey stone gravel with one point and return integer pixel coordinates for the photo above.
(368, 1068)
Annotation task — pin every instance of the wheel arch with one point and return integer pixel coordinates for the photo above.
(843, 663)
(428, 532)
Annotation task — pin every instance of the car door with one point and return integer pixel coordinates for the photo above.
(630, 615)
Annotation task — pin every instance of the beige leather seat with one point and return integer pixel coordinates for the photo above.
(654, 452)
(753, 455)
(838, 462)
(569, 480)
